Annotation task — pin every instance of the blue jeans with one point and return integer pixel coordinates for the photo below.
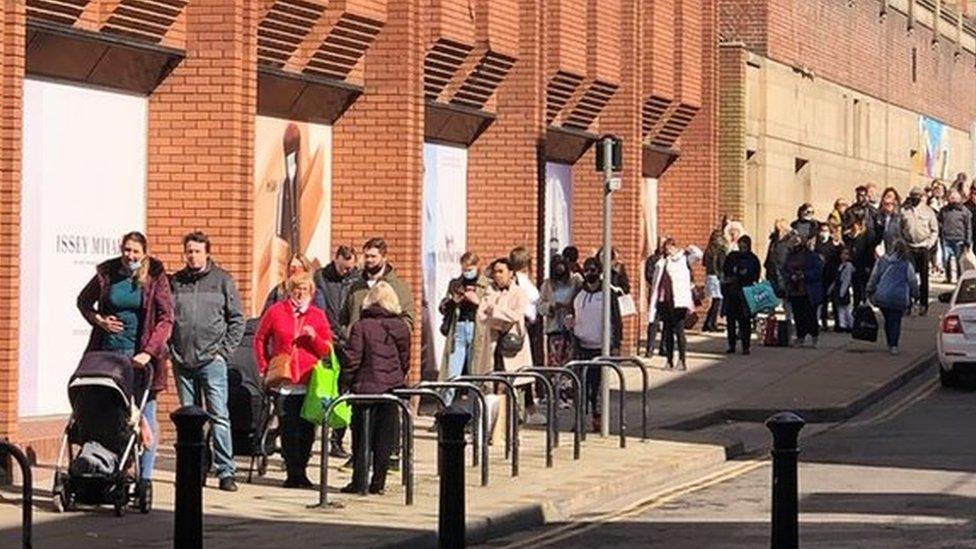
(212, 378)
(460, 355)
(892, 325)
(951, 252)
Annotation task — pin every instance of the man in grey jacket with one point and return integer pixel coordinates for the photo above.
(208, 325)
(921, 229)
(956, 230)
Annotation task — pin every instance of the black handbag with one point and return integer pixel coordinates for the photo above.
(865, 324)
(511, 343)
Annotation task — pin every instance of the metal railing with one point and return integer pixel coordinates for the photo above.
(511, 424)
(479, 445)
(27, 519)
(550, 406)
(578, 432)
(585, 365)
(407, 446)
(645, 380)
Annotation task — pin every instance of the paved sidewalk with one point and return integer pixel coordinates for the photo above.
(825, 384)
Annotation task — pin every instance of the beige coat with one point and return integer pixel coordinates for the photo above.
(508, 314)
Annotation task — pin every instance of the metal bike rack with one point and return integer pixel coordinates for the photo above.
(574, 379)
(511, 425)
(411, 392)
(550, 406)
(479, 446)
(407, 465)
(27, 521)
(585, 365)
(634, 361)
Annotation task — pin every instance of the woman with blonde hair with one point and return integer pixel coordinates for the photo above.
(378, 359)
(300, 263)
(297, 331)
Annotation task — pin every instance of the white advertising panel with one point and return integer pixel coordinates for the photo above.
(445, 229)
(559, 209)
(83, 187)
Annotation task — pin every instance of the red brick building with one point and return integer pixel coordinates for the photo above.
(518, 85)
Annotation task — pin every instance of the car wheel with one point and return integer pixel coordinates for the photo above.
(946, 378)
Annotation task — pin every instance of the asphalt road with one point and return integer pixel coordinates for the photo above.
(901, 475)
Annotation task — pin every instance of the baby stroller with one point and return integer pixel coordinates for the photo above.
(252, 409)
(102, 440)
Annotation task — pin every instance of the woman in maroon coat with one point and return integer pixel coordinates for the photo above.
(378, 355)
(129, 305)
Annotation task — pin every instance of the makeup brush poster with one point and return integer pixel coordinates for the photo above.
(292, 199)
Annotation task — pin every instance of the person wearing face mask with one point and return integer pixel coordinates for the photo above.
(296, 328)
(805, 225)
(803, 274)
(555, 306)
(955, 229)
(299, 264)
(208, 325)
(587, 325)
(829, 252)
(741, 269)
(130, 307)
(376, 268)
(460, 310)
(921, 232)
(671, 297)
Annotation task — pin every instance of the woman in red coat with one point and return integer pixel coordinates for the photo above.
(297, 329)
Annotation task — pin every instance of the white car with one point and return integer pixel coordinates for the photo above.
(957, 333)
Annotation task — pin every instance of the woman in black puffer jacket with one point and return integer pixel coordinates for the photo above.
(378, 354)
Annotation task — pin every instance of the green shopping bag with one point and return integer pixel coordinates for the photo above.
(323, 388)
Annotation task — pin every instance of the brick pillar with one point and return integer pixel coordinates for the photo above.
(503, 165)
(732, 137)
(623, 119)
(378, 153)
(688, 194)
(11, 102)
(201, 144)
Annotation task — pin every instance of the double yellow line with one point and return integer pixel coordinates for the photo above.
(654, 501)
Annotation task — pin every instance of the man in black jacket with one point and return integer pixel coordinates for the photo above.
(208, 324)
(334, 282)
(956, 231)
(741, 269)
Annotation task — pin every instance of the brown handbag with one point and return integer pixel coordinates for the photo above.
(279, 371)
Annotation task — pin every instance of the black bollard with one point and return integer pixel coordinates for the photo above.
(785, 427)
(27, 490)
(188, 512)
(450, 452)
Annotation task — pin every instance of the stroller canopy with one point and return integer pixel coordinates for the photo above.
(103, 369)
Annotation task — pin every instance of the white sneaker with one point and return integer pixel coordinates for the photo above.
(893, 350)
(535, 419)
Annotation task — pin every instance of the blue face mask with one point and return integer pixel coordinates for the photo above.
(134, 265)
(471, 274)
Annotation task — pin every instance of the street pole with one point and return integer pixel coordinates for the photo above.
(607, 272)
(188, 504)
(784, 525)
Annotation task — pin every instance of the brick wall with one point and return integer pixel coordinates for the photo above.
(201, 126)
(378, 155)
(688, 193)
(11, 100)
(503, 164)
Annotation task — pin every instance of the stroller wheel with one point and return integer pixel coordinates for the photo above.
(60, 495)
(144, 496)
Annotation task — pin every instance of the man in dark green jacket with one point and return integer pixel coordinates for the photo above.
(208, 325)
(376, 268)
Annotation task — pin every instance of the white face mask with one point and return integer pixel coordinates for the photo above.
(134, 265)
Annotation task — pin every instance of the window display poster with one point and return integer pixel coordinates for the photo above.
(444, 230)
(292, 199)
(83, 187)
(559, 209)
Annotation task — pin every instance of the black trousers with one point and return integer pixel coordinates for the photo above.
(805, 317)
(382, 430)
(859, 283)
(920, 259)
(738, 326)
(674, 331)
(711, 319)
(297, 435)
(593, 379)
(652, 333)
